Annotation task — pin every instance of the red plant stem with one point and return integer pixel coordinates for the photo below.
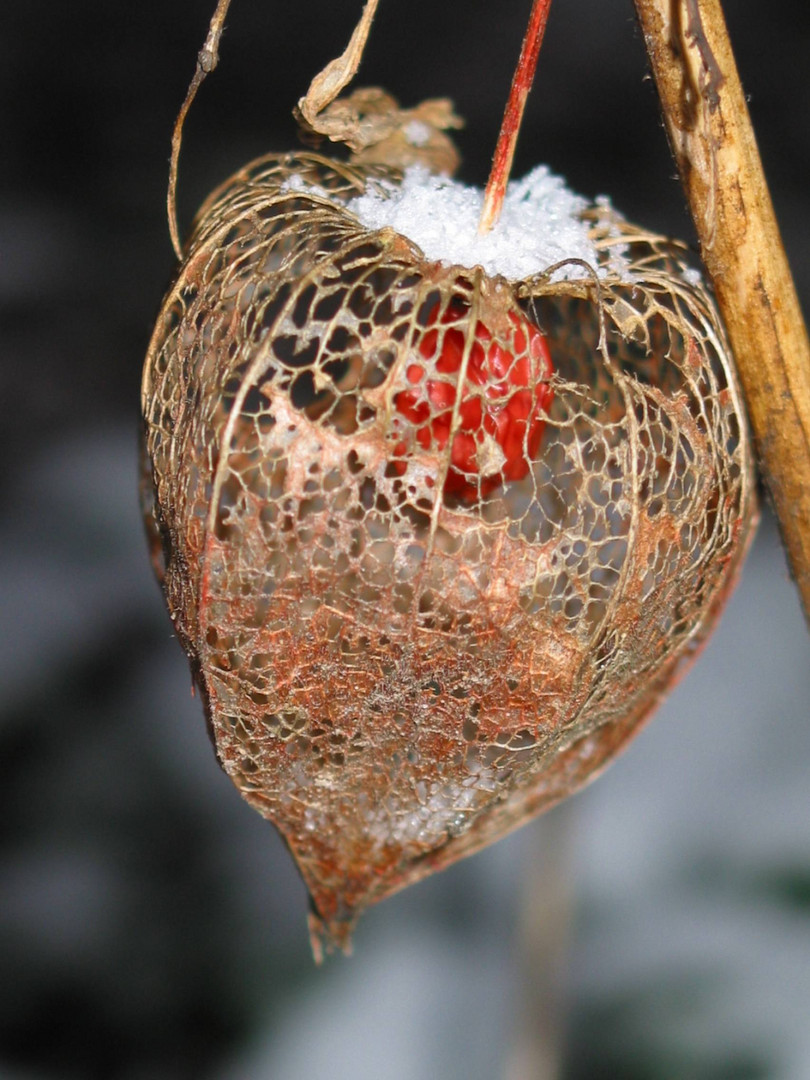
(510, 125)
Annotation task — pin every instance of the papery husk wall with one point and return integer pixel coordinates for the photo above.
(398, 669)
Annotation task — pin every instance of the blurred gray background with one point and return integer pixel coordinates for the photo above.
(151, 925)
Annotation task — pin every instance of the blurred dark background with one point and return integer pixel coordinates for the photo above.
(151, 925)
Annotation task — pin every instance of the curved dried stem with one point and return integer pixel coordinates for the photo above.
(713, 143)
(207, 60)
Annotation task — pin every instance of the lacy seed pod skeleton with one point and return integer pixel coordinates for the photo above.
(408, 644)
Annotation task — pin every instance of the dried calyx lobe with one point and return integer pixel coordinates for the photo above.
(433, 550)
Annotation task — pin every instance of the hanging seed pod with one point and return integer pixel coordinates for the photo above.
(435, 541)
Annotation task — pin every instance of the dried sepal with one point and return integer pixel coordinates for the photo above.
(379, 132)
(335, 77)
(369, 121)
(396, 670)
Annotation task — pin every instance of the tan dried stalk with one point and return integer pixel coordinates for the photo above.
(713, 143)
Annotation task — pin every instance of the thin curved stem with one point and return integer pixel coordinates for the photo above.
(207, 60)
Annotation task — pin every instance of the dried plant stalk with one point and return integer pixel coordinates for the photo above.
(714, 145)
(513, 115)
(405, 649)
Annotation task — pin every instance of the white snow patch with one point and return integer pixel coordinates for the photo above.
(417, 133)
(431, 815)
(296, 182)
(539, 226)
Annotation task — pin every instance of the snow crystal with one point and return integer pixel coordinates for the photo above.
(417, 133)
(447, 808)
(539, 225)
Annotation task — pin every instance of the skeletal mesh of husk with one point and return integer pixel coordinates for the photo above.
(392, 678)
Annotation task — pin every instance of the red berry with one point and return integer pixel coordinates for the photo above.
(504, 402)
